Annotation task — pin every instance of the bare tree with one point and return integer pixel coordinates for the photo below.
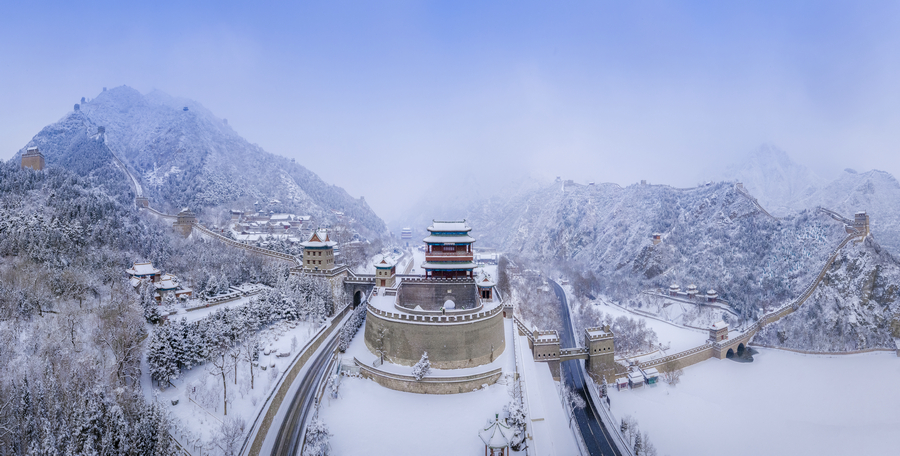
(122, 332)
(672, 372)
(249, 351)
(230, 434)
(219, 365)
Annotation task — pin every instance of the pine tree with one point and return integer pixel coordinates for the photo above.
(421, 369)
(317, 437)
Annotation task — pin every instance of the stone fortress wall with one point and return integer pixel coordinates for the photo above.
(431, 295)
(450, 345)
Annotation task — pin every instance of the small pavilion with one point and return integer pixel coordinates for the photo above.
(496, 438)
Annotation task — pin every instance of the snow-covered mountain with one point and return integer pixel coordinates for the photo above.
(185, 156)
(876, 192)
(712, 236)
(783, 187)
(774, 179)
(852, 308)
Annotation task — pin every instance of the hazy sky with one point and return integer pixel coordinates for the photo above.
(393, 96)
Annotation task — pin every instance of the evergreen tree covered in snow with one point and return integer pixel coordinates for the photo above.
(317, 438)
(349, 330)
(421, 368)
(175, 346)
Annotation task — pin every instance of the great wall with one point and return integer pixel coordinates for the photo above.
(721, 349)
(857, 229)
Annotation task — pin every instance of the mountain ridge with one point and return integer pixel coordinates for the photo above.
(185, 156)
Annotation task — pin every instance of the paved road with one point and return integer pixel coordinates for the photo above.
(592, 429)
(289, 439)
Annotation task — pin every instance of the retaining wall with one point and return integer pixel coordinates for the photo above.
(429, 385)
(450, 344)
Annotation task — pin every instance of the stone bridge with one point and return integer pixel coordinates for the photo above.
(566, 354)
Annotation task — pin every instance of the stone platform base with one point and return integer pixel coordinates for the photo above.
(429, 385)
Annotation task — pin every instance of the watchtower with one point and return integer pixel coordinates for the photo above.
(184, 223)
(545, 348)
(318, 251)
(142, 201)
(33, 159)
(861, 223)
(385, 273)
(718, 332)
(601, 352)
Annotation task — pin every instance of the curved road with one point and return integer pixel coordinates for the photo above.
(289, 438)
(592, 429)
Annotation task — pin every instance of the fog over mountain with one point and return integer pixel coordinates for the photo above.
(783, 187)
(770, 175)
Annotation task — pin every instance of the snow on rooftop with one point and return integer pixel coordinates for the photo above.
(142, 269)
(460, 239)
(719, 325)
(451, 226)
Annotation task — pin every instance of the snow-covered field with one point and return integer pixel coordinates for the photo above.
(677, 338)
(370, 419)
(200, 409)
(367, 416)
(783, 403)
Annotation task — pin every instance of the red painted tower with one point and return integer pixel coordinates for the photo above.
(449, 250)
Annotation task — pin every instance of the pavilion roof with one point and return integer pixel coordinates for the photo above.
(319, 238)
(449, 266)
(142, 269)
(449, 226)
(496, 434)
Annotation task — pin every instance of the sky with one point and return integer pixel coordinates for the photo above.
(409, 97)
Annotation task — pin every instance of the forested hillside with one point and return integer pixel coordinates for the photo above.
(712, 236)
(784, 187)
(852, 309)
(71, 327)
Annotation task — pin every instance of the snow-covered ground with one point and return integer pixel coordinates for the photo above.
(783, 403)
(200, 312)
(684, 311)
(677, 338)
(367, 416)
(199, 411)
(369, 419)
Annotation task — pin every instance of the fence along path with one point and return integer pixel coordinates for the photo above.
(766, 319)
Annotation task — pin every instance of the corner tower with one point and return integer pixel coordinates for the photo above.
(318, 251)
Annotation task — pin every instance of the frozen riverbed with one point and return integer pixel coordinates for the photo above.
(782, 403)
